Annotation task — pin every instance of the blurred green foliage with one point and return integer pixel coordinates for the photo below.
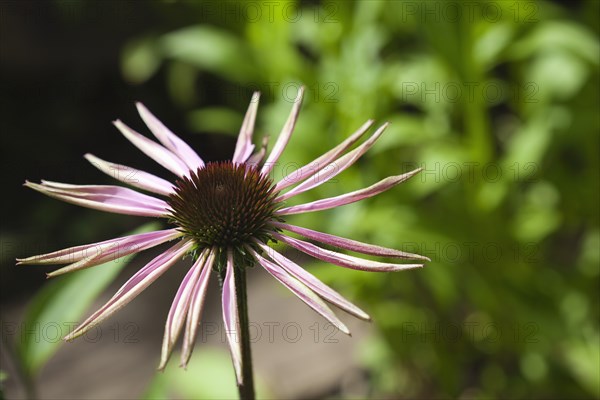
(198, 380)
(497, 101)
(501, 111)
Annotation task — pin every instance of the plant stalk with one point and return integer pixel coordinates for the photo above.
(246, 389)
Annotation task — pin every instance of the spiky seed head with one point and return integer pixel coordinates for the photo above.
(224, 205)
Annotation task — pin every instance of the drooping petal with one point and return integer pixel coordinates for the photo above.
(343, 260)
(284, 135)
(309, 169)
(120, 249)
(134, 286)
(154, 150)
(303, 292)
(231, 318)
(244, 146)
(179, 309)
(195, 310)
(348, 198)
(170, 140)
(108, 190)
(113, 199)
(313, 283)
(349, 244)
(132, 176)
(77, 253)
(330, 171)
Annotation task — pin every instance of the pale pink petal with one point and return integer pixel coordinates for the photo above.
(349, 244)
(170, 140)
(132, 176)
(284, 135)
(195, 310)
(231, 318)
(179, 309)
(257, 158)
(244, 146)
(341, 259)
(303, 292)
(134, 286)
(309, 169)
(348, 198)
(313, 283)
(77, 253)
(154, 150)
(330, 171)
(107, 198)
(108, 190)
(129, 245)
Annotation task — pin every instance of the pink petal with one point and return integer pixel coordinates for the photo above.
(284, 135)
(331, 170)
(105, 198)
(112, 190)
(77, 253)
(195, 310)
(132, 176)
(154, 150)
(231, 318)
(302, 291)
(313, 283)
(134, 286)
(343, 260)
(170, 140)
(255, 159)
(349, 244)
(129, 245)
(244, 146)
(179, 309)
(309, 169)
(348, 198)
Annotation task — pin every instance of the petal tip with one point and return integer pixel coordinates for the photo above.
(183, 365)
(142, 109)
(54, 274)
(69, 338)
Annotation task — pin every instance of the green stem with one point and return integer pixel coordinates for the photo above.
(246, 389)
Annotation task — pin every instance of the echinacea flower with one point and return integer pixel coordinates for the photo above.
(223, 214)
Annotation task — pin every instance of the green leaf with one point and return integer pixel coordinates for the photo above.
(492, 42)
(53, 312)
(210, 49)
(553, 35)
(215, 119)
(140, 60)
(209, 375)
